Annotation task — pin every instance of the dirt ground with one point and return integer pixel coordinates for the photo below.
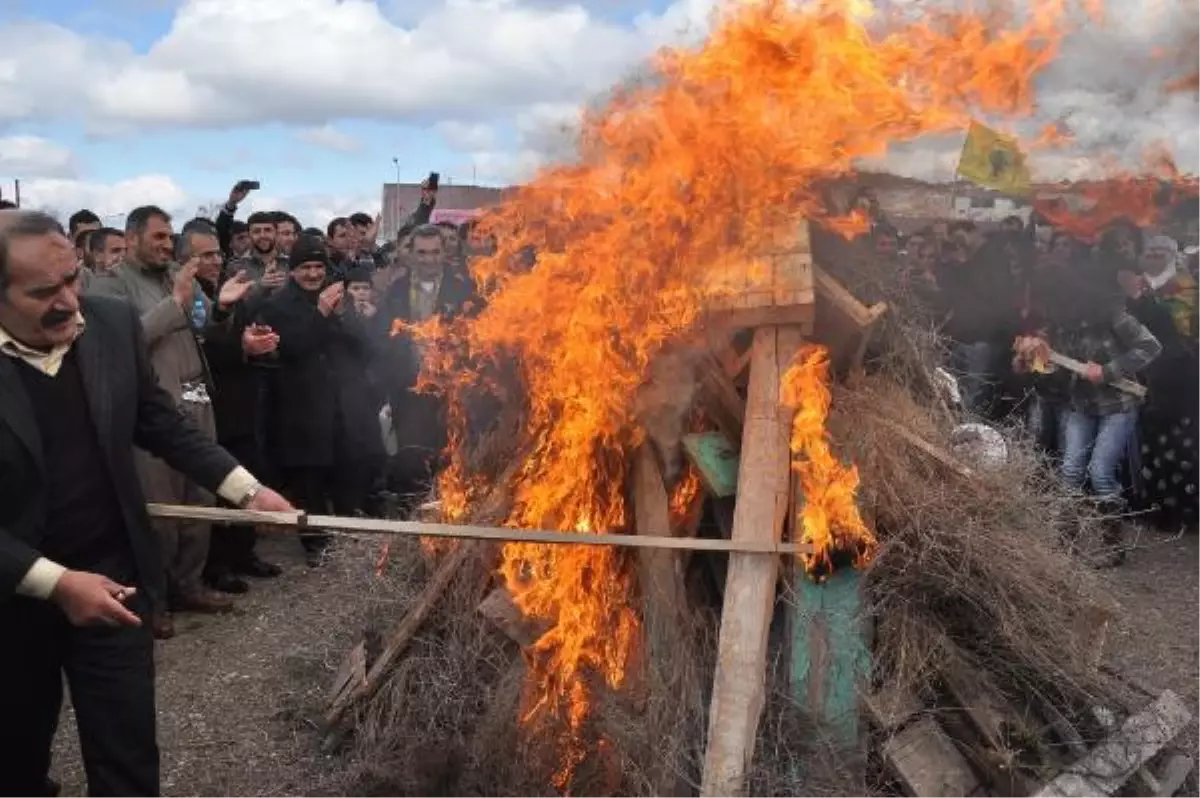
(1158, 640)
(239, 694)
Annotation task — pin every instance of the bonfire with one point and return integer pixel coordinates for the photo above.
(696, 276)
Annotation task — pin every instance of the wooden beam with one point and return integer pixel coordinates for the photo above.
(759, 516)
(829, 660)
(374, 526)
(722, 402)
(1110, 764)
(664, 600)
(660, 574)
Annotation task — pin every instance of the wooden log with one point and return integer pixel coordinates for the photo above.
(927, 763)
(715, 459)
(1110, 764)
(829, 659)
(759, 516)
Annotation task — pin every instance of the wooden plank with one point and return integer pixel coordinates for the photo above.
(759, 516)
(722, 402)
(1110, 764)
(990, 726)
(351, 674)
(402, 633)
(829, 659)
(374, 526)
(715, 459)
(499, 608)
(892, 707)
(927, 763)
(664, 594)
(664, 602)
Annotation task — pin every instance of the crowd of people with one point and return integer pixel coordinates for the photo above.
(1123, 302)
(222, 356)
(182, 363)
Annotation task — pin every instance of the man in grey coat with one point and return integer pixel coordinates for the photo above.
(175, 315)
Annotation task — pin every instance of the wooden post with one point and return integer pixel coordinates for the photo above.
(660, 573)
(830, 660)
(762, 508)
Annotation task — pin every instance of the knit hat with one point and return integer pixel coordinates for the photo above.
(357, 274)
(308, 249)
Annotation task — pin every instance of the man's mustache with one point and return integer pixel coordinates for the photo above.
(56, 318)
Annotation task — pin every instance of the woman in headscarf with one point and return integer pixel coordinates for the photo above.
(1162, 295)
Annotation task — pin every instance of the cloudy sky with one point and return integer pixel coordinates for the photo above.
(112, 103)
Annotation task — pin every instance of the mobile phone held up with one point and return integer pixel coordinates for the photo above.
(432, 181)
(247, 185)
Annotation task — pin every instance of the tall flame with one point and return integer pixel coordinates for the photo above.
(719, 149)
(829, 519)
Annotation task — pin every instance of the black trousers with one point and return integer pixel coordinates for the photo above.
(318, 489)
(232, 547)
(110, 672)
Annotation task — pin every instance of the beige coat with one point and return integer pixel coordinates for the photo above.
(174, 351)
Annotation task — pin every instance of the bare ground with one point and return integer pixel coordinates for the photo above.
(239, 695)
(1157, 641)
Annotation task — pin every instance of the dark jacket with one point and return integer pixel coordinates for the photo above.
(320, 412)
(129, 408)
(980, 300)
(418, 419)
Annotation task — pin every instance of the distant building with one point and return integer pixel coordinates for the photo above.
(400, 199)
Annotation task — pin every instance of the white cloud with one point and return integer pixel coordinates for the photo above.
(330, 138)
(309, 62)
(25, 157)
(109, 201)
(466, 135)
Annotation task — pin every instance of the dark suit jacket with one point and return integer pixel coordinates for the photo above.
(129, 409)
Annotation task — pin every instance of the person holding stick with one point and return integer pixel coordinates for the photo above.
(79, 564)
(1080, 324)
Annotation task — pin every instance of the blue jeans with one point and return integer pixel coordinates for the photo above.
(1092, 449)
(973, 365)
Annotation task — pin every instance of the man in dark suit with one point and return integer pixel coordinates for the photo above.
(427, 286)
(78, 562)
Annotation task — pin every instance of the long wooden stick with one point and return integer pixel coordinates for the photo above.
(1079, 367)
(375, 526)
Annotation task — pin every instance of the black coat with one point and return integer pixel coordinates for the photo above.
(321, 411)
(128, 409)
(418, 419)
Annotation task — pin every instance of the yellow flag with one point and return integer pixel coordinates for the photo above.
(995, 161)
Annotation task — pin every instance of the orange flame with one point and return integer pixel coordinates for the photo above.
(830, 521)
(720, 149)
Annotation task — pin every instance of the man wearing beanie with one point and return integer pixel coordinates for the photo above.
(319, 431)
